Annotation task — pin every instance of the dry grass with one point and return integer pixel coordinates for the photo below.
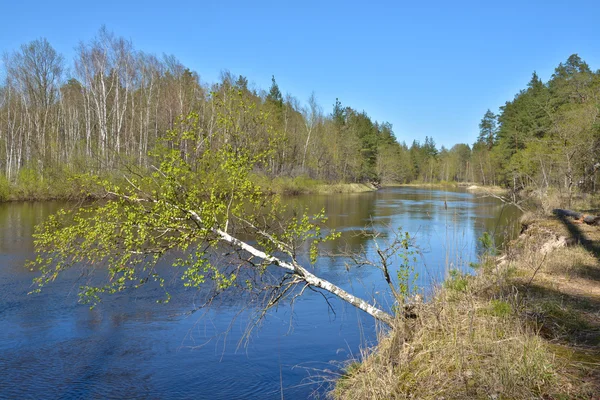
(460, 347)
(432, 185)
(548, 199)
(494, 190)
(525, 328)
(305, 185)
(564, 294)
(345, 188)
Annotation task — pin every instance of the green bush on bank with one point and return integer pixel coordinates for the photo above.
(5, 188)
(55, 183)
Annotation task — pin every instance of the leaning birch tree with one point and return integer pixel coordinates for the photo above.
(194, 204)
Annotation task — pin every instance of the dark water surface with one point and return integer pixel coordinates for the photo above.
(131, 347)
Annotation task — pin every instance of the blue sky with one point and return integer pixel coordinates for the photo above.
(431, 68)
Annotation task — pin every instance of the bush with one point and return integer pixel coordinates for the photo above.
(456, 281)
(28, 184)
(4, 188)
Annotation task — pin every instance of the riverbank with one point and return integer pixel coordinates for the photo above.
(65, 185)
(488, 189)
(471, 187)
(525, 326)
(74, 188)
(305, 185)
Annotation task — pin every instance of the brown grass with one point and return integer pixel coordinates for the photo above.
(345, 188)
(494, 190)
(527, 327)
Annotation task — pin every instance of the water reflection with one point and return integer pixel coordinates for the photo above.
(130, 347)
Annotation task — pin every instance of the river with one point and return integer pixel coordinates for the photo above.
(131, 347)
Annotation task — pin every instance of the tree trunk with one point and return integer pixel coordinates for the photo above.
(304, 274)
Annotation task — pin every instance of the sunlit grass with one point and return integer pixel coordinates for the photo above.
(523, 328)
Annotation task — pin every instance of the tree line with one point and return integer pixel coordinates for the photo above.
(547, 137)
(110, 106)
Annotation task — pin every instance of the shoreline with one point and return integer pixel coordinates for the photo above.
(524, 326)
(278, 186)
(470, 187)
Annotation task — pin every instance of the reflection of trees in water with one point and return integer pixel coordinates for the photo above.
(345, 213)
(498, 219)
(18, 221)
(443, 223)
(435, 217)
(446, 224)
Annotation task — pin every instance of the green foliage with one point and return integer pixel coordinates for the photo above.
(488, 251)
(487, 243)
(487, 130)
(345, 147)
(405, 273)
(456, 281)
(500, 308)
(349, 371)
(5, 188)
(29, 185)
(274, 95)
(183, 207)
(547, 136)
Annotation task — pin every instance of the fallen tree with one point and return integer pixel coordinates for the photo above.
(197, 200)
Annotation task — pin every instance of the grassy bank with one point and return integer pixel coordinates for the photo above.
(433, 185)
(488, 189)
(62, 184)
(526, 326)
(305, 185)
(67, 185)
(473, 188)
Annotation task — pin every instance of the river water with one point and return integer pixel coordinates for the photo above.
(131, 347)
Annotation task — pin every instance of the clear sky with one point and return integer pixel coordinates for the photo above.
(429, 67)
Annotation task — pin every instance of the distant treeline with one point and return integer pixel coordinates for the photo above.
(110, 106)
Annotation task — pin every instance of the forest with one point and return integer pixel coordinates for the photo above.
(108, 108)
(548, 136)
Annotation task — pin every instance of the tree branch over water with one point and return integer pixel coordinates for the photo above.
(191, 206)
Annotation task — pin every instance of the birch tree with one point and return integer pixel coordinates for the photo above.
(105, 69)
(312, 118)
(197, 207)
(35, 72)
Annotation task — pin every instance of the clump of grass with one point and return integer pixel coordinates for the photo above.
(303, 184)
(570, 261)
(497, 190)
(345, 188)
(456, 281)
(465, 347)
(469, 341)
(500, 308)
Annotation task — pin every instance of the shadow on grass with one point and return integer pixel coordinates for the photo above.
(593, 247)
(589, 272)
(571, 325)
(566, 318)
